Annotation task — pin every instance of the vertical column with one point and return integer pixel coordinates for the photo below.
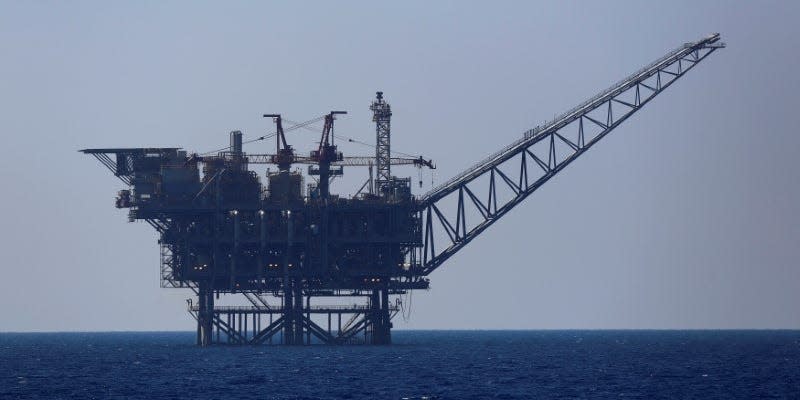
(386, 321)
(262, 253)
(308, 318)
(373, 331)
(323, 237)
(324, 179)
(235, 252)
(298, 311)
(205, 314)
(288, 296)
(256, 324)
(288, 313)
(380, 317)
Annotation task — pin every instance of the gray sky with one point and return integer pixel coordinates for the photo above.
(684, 217)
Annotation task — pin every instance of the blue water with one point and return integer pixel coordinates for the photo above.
(421, 364)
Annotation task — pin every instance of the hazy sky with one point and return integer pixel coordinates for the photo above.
(684, 217)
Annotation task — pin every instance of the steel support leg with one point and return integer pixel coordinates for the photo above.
(205, 315)
(288, 315)
(373, 331)
(386, 319)
(298, 313)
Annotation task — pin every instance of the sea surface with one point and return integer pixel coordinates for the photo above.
(420, 365)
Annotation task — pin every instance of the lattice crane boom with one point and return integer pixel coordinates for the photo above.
(525, 165)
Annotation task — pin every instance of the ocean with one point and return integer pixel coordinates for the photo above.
(419, 365)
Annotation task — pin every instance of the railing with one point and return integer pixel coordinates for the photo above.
(279, 309)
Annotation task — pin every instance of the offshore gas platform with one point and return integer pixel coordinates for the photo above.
(283, 246)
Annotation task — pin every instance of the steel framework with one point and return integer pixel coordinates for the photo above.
(279, 245)
(382, 116)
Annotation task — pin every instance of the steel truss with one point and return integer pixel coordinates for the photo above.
(291, 325)
(491, 188)
(382, 116)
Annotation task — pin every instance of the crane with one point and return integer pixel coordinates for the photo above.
(525, 165)
(285, 155)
